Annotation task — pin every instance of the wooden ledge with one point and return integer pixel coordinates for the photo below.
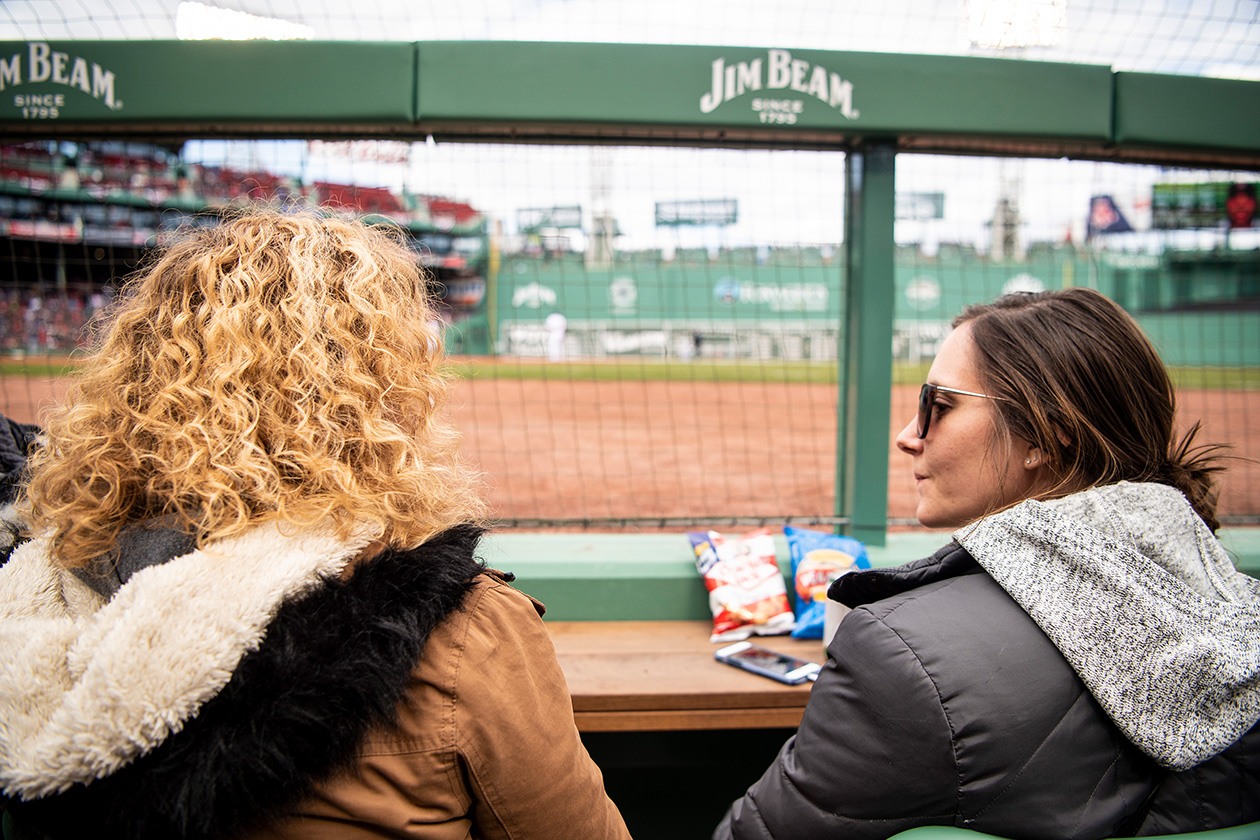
(661, 675)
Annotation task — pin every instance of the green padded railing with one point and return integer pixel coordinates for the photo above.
(595, 576)
(1250, 831)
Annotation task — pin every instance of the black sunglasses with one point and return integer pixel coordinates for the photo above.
(927, 398)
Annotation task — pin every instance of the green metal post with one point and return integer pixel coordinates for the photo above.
(866, 360)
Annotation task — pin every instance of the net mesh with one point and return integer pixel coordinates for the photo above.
(650, 336)
(1203, 38)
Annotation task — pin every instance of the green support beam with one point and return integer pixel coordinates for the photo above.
(866, 358)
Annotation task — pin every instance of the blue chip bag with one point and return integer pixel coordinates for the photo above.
(818, 558)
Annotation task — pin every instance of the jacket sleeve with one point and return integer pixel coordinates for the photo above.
(529, 772)
(874, 753)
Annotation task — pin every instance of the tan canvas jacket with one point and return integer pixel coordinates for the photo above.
(487, 715)
(256, 688)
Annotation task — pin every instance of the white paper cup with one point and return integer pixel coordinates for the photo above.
(832, 613)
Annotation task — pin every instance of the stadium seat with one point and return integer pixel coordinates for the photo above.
(1250, 831)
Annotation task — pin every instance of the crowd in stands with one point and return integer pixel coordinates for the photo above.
(35, 322)
(158, 177)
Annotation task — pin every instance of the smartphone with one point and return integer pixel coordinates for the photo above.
(768, 663)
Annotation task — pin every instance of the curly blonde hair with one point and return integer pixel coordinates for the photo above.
(277, 367)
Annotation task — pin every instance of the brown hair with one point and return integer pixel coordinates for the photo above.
(1079, 379)
(279, 367)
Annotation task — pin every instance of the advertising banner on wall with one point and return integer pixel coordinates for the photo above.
(920, 206)
(721, 211)
(535, 218)
(50, 83)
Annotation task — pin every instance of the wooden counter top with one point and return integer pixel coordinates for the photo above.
(661, 675)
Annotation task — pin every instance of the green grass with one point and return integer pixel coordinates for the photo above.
(649, 370)
(36, 365)
(818, 373)
(666, 370)
(1217, 379)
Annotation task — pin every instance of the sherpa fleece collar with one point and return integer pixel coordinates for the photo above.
(1142, 601)
(84, 691)
(335, 659)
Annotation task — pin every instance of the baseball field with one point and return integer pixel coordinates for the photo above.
(571, 450)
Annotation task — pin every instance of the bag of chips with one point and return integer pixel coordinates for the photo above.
(818, 558)
(746, 590)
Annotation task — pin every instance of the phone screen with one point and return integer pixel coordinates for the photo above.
(769, 660)
(768, 663)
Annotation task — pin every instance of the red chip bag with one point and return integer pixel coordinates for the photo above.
(746, 590)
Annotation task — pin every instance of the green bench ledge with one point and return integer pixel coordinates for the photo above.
(599, 576)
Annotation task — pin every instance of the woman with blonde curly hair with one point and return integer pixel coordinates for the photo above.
(253, 607)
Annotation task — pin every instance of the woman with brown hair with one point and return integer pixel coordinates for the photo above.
(253, 606)
(1082, 660)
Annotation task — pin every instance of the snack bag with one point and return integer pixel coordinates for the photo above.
(746, 590)
(818, 558)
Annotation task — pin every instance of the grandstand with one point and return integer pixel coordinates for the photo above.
(75, 218)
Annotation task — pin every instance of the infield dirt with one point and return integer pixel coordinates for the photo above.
(582, 450)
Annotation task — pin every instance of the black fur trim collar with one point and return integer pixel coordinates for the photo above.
(333, 664)
(868, 585)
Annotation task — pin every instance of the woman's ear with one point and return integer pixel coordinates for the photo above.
(1033, 458)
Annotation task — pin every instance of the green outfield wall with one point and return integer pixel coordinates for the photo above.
(790, 308)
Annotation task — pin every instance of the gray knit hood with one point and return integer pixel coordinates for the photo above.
(1143, 602)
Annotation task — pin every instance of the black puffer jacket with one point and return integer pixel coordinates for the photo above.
(15, 443)
(945, 704)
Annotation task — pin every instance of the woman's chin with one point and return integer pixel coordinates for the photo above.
(930, 518)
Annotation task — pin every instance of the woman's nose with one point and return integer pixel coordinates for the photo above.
(908, 438)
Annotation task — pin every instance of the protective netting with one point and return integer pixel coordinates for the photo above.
(1218, 38)
(652, 335)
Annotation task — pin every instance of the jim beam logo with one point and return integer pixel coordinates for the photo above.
(778, 72)
(41, 64)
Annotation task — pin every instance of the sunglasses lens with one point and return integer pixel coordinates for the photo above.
(925, 409)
